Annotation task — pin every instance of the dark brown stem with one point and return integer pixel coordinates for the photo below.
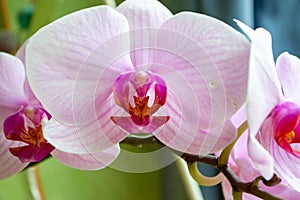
(236, 183)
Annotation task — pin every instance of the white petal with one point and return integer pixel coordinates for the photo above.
(264, 90)
(9, 164)
(12, 76)
(288, 70)
(57, 52)
(261, 158)
(92, 161)
(140, 15)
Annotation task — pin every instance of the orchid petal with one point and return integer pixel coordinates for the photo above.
(249, 31)
(198, 77)
(95, 78)
(243, 167)
(28, 92)
(128, 125)
(282, 191)
(284, 162)
(142, 14)
(12, 77)
(53, 70)
(31, 153)
(215, 50)
(261, 158)
(285, 121)
(93, 161)
(66, 138)
(4, 113)
(90, 138)
(10, 164)
(288, 70)
(240, 151)
(213, 141)
(264, 90)
(240, 116)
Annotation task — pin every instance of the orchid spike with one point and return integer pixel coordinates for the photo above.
(138, 69)
(22, 121)
(273, 107)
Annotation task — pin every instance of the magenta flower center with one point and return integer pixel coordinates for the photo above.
(286, 127)
(140, 113)
(33, 136)
(140, 94)
(27, 126)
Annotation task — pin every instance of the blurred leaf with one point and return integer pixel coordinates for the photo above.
(14, 8)
(24, 16)
(15, 187)
(178, 6)
(47, 11)
(119, 2)
(61, 182)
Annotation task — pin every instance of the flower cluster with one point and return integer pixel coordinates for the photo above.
(85, 82)
(273, 118)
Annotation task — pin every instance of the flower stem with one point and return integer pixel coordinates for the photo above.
(201, 179)
(4, 14)
(35, 183)
(223, 159)
(191, 187)
(237, 195)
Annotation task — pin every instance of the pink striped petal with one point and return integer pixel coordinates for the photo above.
(128, 125)
(187, 130)
(240, 147)
(140, 15)
(95, 79)
(264, 90)
(288, 70)
(4, 113)
(197, 62)
(214, 49)
(89, 138)
(93, 161)
(12, 76)
(28, 92)
(261, 158)
(57, 53)
(286, 164)
(144, 13)
(9, 164)
(67, 138)
(240, 116)
(213, 52)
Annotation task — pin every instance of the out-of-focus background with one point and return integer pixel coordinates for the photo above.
(21, 18)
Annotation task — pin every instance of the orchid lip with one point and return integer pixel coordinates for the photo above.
(27, 126)
(140, 94)
(286, 127)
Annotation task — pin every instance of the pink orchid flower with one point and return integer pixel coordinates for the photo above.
(138, 69)
(22, 119)
(242, 166)
(273, 107)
